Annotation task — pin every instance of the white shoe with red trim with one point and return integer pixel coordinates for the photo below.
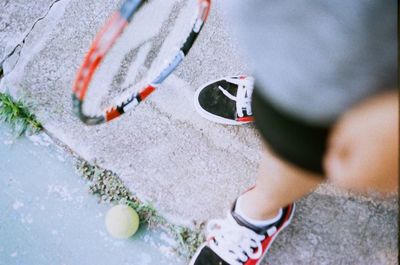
(226, 100)
(234, 241)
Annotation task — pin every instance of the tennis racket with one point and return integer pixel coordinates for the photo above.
(105, 40)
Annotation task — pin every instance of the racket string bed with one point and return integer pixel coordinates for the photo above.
(102, 44)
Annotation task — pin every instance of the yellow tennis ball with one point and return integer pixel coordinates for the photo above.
(122, 221)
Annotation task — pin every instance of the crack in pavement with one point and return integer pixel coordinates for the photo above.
(21, 44)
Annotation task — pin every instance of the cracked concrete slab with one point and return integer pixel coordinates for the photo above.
(17, 19)
(191, 169)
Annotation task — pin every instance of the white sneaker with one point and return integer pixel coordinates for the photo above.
(234, 241)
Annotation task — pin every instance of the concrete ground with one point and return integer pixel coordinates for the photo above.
(191, 169)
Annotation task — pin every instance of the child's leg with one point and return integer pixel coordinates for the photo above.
(278, 184)
(363, 152)
(246, 234)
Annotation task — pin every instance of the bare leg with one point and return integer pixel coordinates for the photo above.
(363, 164)
(363, 153)
(278, 184)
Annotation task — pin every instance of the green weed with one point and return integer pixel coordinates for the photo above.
(17, 115)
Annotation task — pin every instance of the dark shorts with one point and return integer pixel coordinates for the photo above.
(296, 141)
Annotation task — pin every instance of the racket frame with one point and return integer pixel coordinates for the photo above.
(102, 44)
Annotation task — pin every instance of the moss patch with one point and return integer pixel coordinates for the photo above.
(109, 188)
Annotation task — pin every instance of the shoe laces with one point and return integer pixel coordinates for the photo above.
(232, 242)
(243, 94)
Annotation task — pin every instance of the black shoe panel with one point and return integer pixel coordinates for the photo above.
(213, 100)
(208, 257)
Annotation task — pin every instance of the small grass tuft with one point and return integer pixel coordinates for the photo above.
(188, 239)
(17, 115)
(109, 188)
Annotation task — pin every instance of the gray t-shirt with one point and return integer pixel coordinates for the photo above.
(316, 58)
